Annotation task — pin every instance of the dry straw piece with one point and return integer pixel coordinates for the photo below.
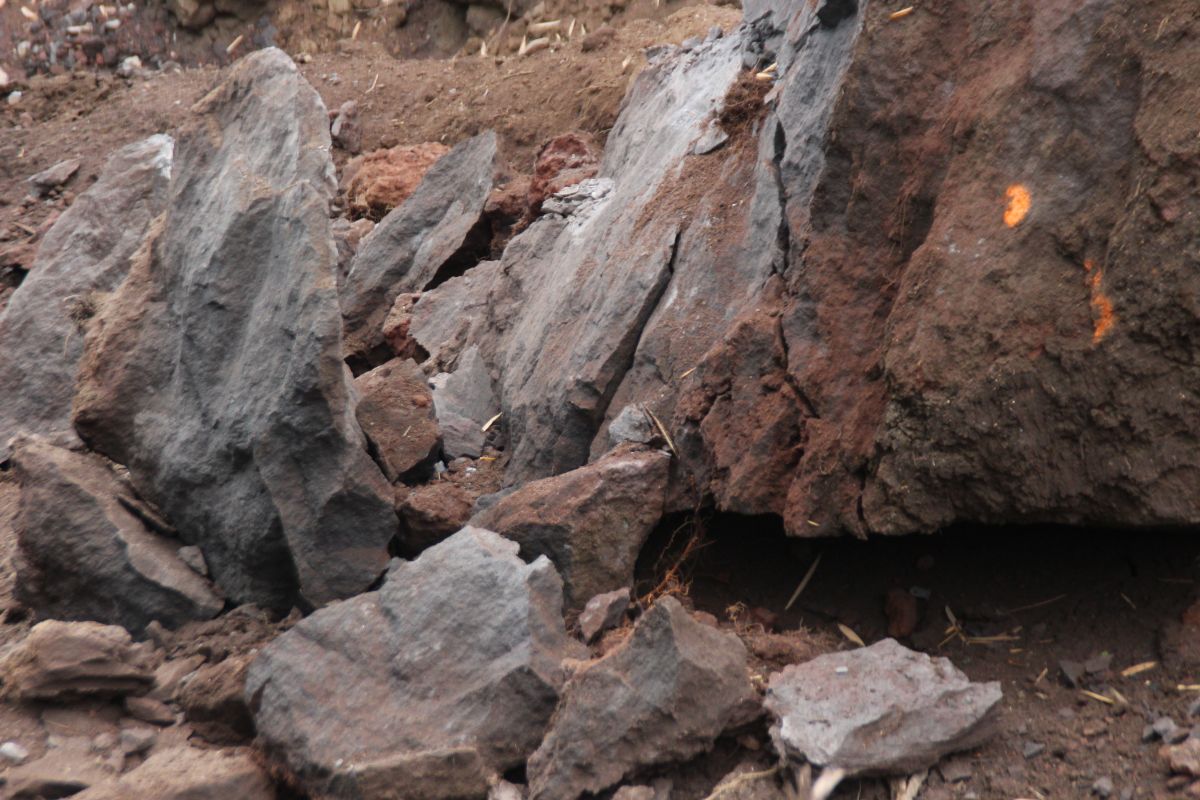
(851, 635)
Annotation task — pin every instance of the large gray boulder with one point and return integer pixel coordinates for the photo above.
(879, 710)
(416, 240)
(591, 522)
(85, 254)
(215, 373)
(664, 696)
(87, 551)
(445, 676)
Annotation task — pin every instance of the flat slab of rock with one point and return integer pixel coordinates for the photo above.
(54, 176)
(395, 410)
(663, 696)
(63, 660)
(407, 248)
(879, 710)
(86, 554)
(189, 773)
(85, 254)
(465, 400)
(248, 442)
(591, 522)
(446, 675)
(63, 772)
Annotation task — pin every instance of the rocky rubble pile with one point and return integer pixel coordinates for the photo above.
(226, 413)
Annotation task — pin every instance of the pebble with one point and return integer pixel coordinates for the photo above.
(14, 98)
(137, 740)
(1103, 787)
(1033, 749)
(129, 66)
(1161, 728)
(3, 78)
(13, 752)
(104, 742)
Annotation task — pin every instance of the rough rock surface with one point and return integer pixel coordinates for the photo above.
(248, 443)
(395, 410)
(377, 182)
(464, 400)
(84, 255)
(213, 699)
(879, 710)
(419, 239)
(664, 696)
(86, 550)
(430, 513)
(447, 674)
(64, 772)
(563, 161)
(602, 612)
(63, 660)
(591, 522)
(189, 773)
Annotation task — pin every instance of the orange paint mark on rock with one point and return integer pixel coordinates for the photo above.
(1102, 308)
(1019, 201)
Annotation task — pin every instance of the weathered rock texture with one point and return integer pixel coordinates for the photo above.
(65, 660)
(891, 299)
(446, 675)
(419, 239)
(86, 551)
(664, 696)
(215, 373)
(189, 773)
(395, 410)
(84, 255)
(591, 522)
(879, 710)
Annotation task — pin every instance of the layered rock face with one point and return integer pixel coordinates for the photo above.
(215, 372)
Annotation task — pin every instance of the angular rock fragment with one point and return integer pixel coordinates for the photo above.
(591, 522)
(83, 256)
(86, 554)
(448, 674)
(395, 410)
(879, 710)
(430, 513)
(215, 373)
(213, 699)
(663, 696)
(563, 161)
(602, 612)
(63, 772)
(465, 401)
(189, 773)
(54, 176)
(416, 240)
(62, 660)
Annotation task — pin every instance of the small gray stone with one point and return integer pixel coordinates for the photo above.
(137, 740)
(1033, 749)
(193, 556)
(1163, 727)
(633, 424)
(634, 793)
(714, 33)
(1103, 787)
(713, 137)
(894, 712)
(602, 612)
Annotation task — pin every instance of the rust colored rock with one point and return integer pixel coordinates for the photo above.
(212, 699)
(430, 513)
(60, 660)
(189, 773)
(377, 182)
(902, 613)
(591, 522)
(395, 410)
(395, 327)
(563, 161)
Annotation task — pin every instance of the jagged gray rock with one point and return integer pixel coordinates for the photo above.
(85, 254)
(602, 612)
(215, 373)
(86, 551)
(465, 401)
(405, 251)
(591, 522)
(663, 696)
(446, 675)
(879, 710)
